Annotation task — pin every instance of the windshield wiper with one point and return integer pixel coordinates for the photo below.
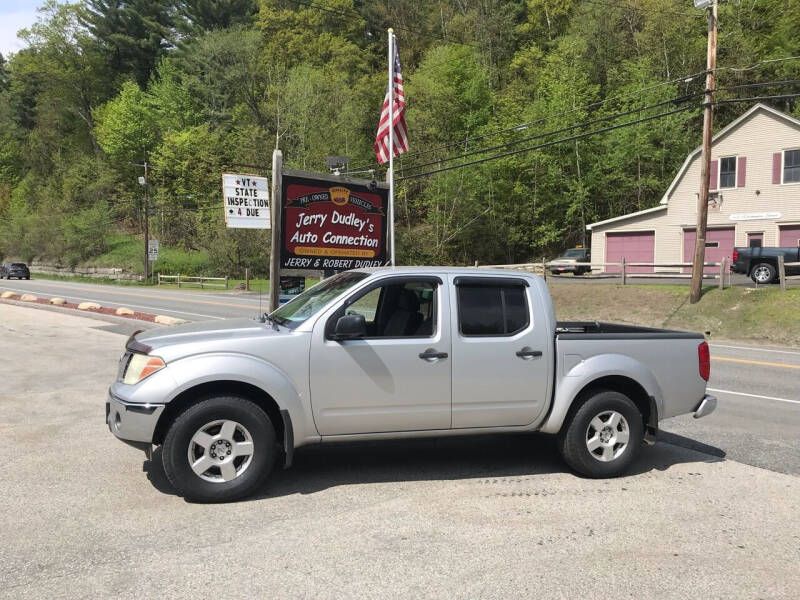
(271, 320)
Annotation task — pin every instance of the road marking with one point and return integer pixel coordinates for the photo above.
(754, 349)
(756, 362)
(754, 396)
(158, 310)
(151, 296)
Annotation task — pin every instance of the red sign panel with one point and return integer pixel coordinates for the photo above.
(337, 225)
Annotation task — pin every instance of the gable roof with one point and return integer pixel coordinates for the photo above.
(623, 217)
(722, 133)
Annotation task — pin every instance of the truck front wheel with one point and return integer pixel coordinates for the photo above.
(219, 449)
(603, 436)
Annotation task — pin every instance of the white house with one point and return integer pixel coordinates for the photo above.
(755, 198)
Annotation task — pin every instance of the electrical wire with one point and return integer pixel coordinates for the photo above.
(550, 143)
(677, 100)
(525, 125)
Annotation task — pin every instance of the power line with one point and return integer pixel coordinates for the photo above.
(757, 98)
(551, 143)
(677, 100)
(525, 125)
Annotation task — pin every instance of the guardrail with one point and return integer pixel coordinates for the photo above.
(624, 269)
(203, 282)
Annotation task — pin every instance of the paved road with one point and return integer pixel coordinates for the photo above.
(757, 422)
(85, 516)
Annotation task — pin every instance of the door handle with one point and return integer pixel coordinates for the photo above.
(528, 353)
(431, 354)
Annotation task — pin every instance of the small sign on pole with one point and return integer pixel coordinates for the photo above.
(246, 201)
(152, 250)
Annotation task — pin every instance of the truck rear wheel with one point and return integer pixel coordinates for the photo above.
(603, 436)
(763, 273)
(220, 449)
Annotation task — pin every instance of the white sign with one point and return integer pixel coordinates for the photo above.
(152, 249)
(246, 201)
(762, 216)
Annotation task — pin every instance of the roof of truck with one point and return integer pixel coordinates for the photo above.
(445, 270)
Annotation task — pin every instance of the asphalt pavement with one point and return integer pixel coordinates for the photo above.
(85, 516)
(757, 421)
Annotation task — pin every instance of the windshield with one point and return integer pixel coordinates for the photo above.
(18, 265)
(295, 312)
(574, 253)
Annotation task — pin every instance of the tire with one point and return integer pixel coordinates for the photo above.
(578, 272)
(763, 273)
(599, 423)
(198, 432)
(554, 272)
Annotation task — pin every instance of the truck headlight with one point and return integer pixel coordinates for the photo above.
(140, 367)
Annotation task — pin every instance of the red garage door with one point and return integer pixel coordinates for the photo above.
(790, 236)
(719, 244)
(636, 246)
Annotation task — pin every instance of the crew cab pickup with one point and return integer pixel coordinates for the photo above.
(762, 263)
(399, 352)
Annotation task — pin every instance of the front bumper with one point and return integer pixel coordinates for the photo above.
(563, 268)
(707, 405)
(132, 422)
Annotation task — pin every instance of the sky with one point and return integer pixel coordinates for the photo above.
(15, 15)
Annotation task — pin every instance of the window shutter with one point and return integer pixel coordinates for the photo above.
(776, 167)
(741, 171)
(712, 183)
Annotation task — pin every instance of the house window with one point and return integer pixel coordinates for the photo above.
(727, 172)
(791, 166)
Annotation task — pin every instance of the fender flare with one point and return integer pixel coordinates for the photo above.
(592, 369)
(208, 368)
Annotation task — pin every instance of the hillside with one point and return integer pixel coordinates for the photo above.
(194, 89)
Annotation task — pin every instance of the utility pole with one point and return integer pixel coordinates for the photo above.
(146, 225)
(705, 157)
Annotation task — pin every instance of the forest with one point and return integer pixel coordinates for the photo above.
(527, 119)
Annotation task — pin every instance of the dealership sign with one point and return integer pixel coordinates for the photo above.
(246, 201)
(331, 223)
(759, 216)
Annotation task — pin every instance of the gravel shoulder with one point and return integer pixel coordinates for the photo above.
(482, 517)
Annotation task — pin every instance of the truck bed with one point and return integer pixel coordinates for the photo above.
(582, 330)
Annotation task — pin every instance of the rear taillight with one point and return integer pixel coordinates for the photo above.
(704, 361)
(735, 255)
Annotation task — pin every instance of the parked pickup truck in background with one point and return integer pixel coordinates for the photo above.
(399, 352)
(762, 263)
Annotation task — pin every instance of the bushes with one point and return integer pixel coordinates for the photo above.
(85, 234)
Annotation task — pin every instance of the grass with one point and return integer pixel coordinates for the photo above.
(763, 316)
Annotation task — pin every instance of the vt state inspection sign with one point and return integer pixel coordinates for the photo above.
(246, 201)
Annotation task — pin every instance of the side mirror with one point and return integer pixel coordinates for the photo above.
(350, 327)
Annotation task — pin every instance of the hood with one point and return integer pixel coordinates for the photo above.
(205, 331)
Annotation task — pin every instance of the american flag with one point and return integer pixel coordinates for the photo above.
(398, 116)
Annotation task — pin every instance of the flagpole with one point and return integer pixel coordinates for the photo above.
(391, 145)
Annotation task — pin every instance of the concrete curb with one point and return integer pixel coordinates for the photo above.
(166, 320)
(73, 312)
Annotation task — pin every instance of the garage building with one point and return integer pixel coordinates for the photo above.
(755, 199)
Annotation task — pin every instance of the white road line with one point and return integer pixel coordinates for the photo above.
(754, 396)
(754, 349)
(101, 302)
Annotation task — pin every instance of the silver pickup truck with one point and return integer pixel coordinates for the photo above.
(399, 352)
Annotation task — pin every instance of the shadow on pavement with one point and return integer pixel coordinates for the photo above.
(320, 467)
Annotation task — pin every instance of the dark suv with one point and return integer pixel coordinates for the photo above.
(18, 270)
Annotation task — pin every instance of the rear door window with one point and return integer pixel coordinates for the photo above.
(492, 310)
